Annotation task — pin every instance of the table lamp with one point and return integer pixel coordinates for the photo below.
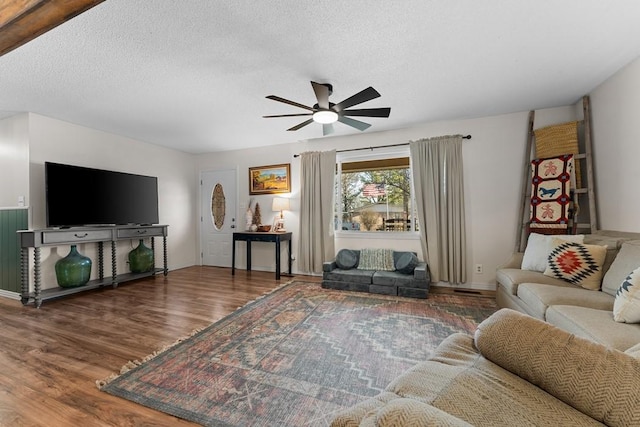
(280, 204)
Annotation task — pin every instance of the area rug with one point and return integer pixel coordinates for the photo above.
(296, 356)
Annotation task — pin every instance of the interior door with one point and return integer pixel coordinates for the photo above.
(217, 216)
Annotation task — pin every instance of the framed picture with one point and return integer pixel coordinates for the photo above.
(270, 179)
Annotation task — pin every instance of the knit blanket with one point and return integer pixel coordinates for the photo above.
(376, 259)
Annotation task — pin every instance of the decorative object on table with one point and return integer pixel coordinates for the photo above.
(254, 227)
(218, 206)
(248, 217)
(270, 179)
(73, 270)
(280, 204)
(273, 360)
(257, 215)
(264, 228)
(141, 259)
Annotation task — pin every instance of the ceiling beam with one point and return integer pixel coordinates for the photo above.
(24, 20)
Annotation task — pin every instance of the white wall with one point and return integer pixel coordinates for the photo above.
(616, 143)
(57, 141)
(14, 160)
(493, 162)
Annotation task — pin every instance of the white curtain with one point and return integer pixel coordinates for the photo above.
(316, 244)
(436, 165)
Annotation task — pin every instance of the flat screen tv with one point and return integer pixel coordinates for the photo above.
(77, 196)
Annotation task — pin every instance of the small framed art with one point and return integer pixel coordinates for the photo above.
(270, 179)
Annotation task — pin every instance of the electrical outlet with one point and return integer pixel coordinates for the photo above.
(478, 268)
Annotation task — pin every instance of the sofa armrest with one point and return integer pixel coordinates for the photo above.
(599, 381)
(421, 272)
(329, 266)
(514, 262)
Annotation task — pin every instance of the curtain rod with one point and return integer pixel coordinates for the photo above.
(378, 146)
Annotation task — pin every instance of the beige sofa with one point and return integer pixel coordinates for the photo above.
(585, 313)
(515, 371)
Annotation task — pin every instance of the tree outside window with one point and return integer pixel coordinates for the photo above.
(375, 196)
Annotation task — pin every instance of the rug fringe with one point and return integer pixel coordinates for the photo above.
(135, 363)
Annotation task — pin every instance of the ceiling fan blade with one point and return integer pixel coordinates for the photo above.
(353, 123)
(301, 125)
(327, 129)
(322, 95)
(287, 115)
(286, 101)
(368, 112)
(363, 96)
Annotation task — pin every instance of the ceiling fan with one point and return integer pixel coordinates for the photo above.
(327, 113)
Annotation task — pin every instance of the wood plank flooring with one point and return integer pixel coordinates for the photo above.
(51, 357)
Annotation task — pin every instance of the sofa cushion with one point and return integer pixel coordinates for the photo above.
(353, 275)
(538, 248)
(510, 278)
(596, 380)
(346, 259)
(411, 412)
(626, 307)
(539, 297)
(595, 325)
(634, 351)
(406, 263)
(577, 263)
(627, 260)
(391, 278)
(459, 381)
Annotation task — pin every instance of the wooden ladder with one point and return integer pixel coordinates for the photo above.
(586, 220)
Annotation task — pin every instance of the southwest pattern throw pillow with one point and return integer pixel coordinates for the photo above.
(576, 263)
(626, 307)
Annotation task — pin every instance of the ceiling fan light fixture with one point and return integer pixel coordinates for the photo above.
(325, 116)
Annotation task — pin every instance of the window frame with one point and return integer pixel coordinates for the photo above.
(374, 154)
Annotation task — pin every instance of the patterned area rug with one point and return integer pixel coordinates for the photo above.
(296, 356)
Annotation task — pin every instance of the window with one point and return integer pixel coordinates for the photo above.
(374, 193)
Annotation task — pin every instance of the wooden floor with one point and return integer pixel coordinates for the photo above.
(51, 357)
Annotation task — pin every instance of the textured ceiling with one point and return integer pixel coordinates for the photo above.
(193, 75)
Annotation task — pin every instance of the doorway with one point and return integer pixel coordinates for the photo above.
(218, 196)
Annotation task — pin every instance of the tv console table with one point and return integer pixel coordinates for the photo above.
(37, 239)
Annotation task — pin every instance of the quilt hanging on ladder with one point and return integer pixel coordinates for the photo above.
(552, 184)
(556, 140)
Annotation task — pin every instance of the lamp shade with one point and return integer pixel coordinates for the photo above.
(280, 204)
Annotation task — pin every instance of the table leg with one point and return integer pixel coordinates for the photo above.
(233, 257)
(164, 254)
(277, 259)
(24, 275)
(100, 261)
(114, 267)
(248, 255)
(36, 277)
(289, 244)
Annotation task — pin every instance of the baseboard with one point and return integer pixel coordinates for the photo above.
(10, 294)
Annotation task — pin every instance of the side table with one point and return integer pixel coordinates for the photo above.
(256, 236)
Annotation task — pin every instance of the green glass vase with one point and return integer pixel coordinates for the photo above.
(73, 270)
(141, 259)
